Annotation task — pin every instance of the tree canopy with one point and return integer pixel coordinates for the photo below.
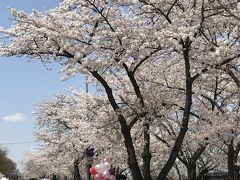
(6, 164)
(161, 68)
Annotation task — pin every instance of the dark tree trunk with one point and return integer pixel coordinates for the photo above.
(146, 156)
(236, 173)
(186, 114)
(76, 174)
(125, 129)
(232, 154)
(54, 177)
(231, 162)
(191, 171)
(202, 173)
(192, 167)
(132, 160)
(190, 163)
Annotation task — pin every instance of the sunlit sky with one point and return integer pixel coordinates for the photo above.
(23, 84)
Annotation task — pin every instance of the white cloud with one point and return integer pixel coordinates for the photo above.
(18, 117)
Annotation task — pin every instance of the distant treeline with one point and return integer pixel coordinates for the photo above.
(6, 164)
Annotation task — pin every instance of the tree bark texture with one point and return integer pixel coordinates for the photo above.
(146, 155)
(191, 171)
(76, 174)
(186, 114)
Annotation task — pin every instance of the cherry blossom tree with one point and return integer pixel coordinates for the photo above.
(66, 129)
(37, 165)
(148, 57)
(221, 97)
(69, 124)
(226, 127)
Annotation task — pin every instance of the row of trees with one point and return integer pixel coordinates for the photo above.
(69, 124)
(6, 164)
(167, 78)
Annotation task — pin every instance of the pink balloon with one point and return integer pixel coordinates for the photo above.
(106, 160)
(112, 177)
(106, 174)
(107, 166)
(99, 168)
(97, 177)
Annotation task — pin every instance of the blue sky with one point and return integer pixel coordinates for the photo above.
(22, 84)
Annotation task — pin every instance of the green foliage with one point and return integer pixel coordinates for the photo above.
(6, 164)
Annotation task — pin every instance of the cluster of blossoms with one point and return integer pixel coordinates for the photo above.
(167, 75)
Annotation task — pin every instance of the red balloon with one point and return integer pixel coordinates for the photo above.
(93, 171)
